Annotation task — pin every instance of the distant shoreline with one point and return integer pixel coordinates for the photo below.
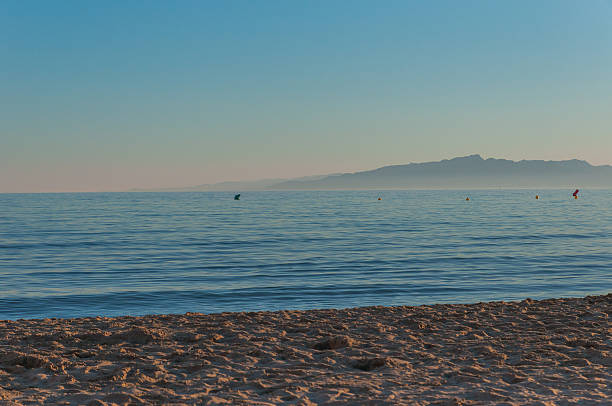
(465, 189)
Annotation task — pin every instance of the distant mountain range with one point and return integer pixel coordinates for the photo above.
(467, 172)
(463, 172)
(263, 184)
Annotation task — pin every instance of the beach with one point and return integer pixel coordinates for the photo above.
(546, 352)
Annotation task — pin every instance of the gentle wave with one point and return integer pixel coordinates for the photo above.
(66, 255)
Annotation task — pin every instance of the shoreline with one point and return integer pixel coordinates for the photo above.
(536, 352)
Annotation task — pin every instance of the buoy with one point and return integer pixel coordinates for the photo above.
(237, 197)
(379, 198)
(537, 197)
(575, 194)
(576, 197)
(467, 198)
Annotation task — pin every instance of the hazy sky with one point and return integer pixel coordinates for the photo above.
(110, 95)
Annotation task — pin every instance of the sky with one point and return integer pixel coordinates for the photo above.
(114, 95)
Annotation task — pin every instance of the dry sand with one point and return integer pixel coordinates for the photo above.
(530, 352)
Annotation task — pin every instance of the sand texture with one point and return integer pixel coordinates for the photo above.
(531, 352)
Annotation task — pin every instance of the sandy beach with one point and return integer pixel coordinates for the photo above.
(530, 352)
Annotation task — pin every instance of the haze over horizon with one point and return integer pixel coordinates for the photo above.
(116, 95)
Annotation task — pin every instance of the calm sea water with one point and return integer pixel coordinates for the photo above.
(67, 255)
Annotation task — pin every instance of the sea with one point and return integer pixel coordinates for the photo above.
(110, 254)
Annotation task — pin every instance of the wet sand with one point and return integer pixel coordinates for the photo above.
(531, 352)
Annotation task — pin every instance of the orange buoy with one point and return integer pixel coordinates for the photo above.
(576, 197)
(537, 197)
(467, 199)
(379, 198)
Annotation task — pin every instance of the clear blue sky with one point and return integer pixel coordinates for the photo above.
(111, 95)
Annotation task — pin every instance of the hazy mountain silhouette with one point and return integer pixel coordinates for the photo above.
(466, 172)
(230, 186)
